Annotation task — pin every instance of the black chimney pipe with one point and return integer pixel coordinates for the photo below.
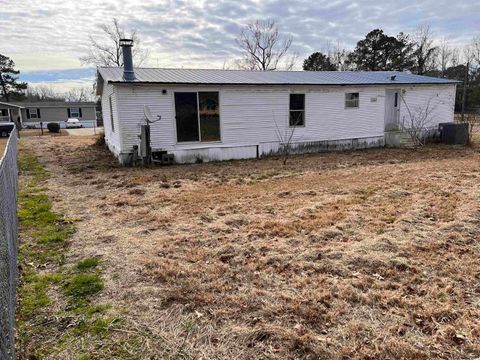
(128, 74)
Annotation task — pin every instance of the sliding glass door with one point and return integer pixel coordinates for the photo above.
(186, 115)
(197, 116)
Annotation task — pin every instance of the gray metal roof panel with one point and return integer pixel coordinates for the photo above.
(246, 77)
(24, 104)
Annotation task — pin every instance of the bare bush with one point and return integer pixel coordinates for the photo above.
(285, 138)
(419, 120)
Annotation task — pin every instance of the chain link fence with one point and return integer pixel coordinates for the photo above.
(8, 245)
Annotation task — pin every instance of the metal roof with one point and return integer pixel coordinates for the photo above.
(6, 105)
(40, 104)
(247, 77)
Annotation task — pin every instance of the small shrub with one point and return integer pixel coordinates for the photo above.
(53, 127)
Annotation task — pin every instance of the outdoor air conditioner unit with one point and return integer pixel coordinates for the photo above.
(454, 133)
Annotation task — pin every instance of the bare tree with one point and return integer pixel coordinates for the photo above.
(475, 50)
(43, 93)
(107, 51)
(468, 54)
(445, 54)
(291, 61)
(264, 47)
(471, 54)
(338, 55)
(80, 94)
(455, 58)
(424, 51)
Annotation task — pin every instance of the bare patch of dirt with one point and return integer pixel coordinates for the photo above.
(354, 255)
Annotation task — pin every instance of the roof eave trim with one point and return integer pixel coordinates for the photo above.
(453, 82)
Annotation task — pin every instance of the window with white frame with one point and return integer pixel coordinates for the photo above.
(74, 112)
(297, 110)
(352, 100)
(33, 113)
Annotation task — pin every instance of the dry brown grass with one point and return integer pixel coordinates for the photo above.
(3, 143)
(38, 132)
(355, 255)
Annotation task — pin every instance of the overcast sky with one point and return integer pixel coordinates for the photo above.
(45, 38)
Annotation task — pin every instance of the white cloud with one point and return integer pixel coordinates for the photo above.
(181, 33)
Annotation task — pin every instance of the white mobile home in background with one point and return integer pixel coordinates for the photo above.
(235, 114)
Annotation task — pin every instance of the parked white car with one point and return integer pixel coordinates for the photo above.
(72, 123)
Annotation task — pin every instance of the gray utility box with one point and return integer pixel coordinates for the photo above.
(454, 133)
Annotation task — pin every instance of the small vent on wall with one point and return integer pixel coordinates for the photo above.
(373, 99)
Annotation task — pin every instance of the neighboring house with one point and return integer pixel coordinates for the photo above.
(31, 114)
(233, 114)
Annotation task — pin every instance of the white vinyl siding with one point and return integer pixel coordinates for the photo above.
(441, 99)
(327, 118)
(253, 116)
(131, 102)
(111, 137)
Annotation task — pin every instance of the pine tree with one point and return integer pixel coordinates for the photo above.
(10, 87)
(379, 51)
(318, 62)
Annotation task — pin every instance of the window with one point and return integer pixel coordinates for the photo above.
(4, 112)
(74, 113)
(209, 116)
(297, 110)
(197, 116)
(112, 124)
(33, 113)
(396, 99)
(352, 100)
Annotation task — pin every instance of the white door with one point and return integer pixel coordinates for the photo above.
(392, 109)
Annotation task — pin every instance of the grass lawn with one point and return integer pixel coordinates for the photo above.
(353, 255)
(3, 143)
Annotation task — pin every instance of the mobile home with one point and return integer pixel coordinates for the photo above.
(31, 114)
(234, 114)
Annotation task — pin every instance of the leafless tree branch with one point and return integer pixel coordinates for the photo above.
(425, 52)
(263, 47)
(106, 51)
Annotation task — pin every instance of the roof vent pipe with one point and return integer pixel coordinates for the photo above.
(128, 74)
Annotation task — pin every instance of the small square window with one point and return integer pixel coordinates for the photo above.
(297, 110)
(33, 113)
(74, 112)
(352, 100)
